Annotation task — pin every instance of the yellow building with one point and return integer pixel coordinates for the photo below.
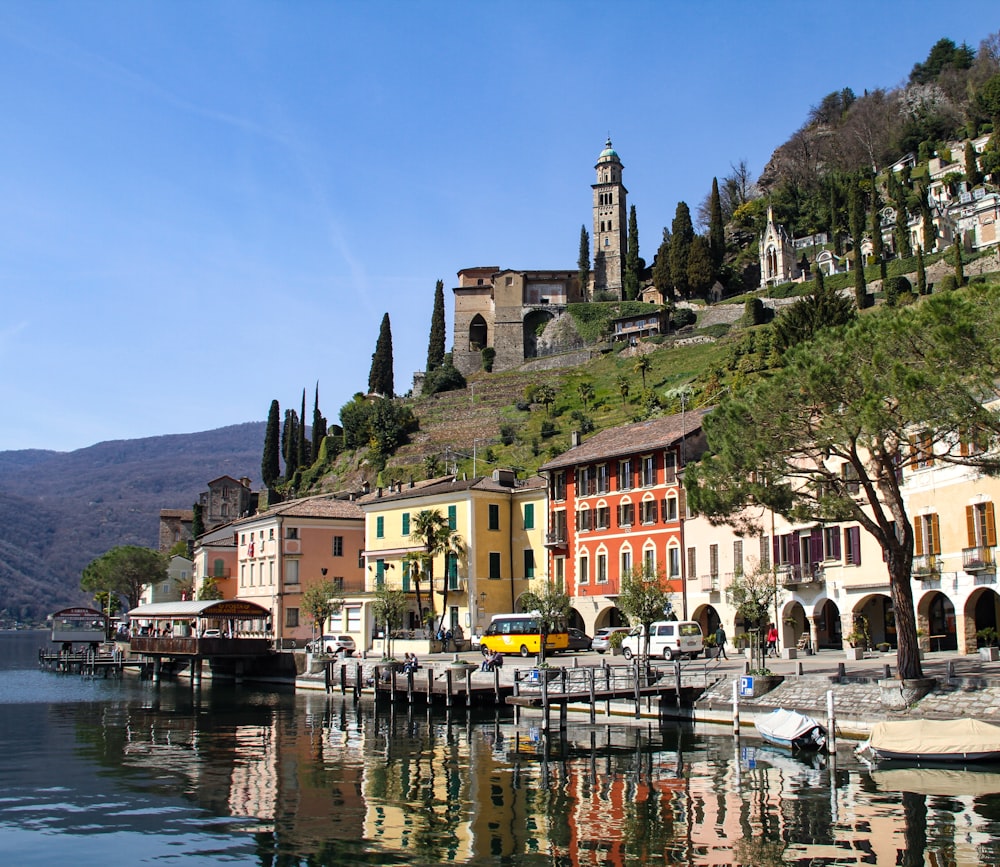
(498, 526)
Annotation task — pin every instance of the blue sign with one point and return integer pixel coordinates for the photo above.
(746, 685)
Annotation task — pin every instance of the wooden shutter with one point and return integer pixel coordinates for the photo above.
(935, 540)
(991, 526)
(918, 536)
(970, 525)
(855, 543)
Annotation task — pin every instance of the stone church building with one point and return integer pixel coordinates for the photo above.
(522, 314)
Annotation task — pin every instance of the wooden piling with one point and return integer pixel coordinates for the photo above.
(831, 724)
(590, 689)
(447, 686)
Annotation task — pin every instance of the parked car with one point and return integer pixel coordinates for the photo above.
(332, 644)
(602, 638)
(578, 639)
(668, 639)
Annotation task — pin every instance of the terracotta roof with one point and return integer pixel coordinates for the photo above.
(448, 485)
(319, 506)
(630, 439)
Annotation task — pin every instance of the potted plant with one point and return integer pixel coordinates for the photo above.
(615, 643)
(711, 651)
(988, 638)
(857, 641)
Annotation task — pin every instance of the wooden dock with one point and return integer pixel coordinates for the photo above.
(86, 662)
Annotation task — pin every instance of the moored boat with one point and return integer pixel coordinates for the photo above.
(791, 729)
(923, 740)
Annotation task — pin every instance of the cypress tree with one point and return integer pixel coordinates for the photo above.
(716, 228)
(436, 342)
(699, 273)
(681, 236)
(197, 520)
(270, 464)
(972, 173)
(661, 269)
(921, 274)
(303, 445)
(959, 267)
(583, 263)
(290, 443)
(319, 426)
(630, 287)
(860, 287)
(834, 220)
(878, 246)
(380, 376)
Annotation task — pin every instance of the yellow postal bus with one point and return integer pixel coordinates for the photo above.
(519, 633)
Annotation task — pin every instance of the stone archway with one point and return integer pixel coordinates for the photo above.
(707, 617)
(794, 624)
(936, 617)
(478, 333)
(575, 620)
(534, 324)
(829, 631)
(982, 611)
(878, 614)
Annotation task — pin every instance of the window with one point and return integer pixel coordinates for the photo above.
(338, 546)
(243, 538)
(219, 568)
(361, 558)
(251, 574)
(981, 525)
(494, 519)
(625, 475)
(669, 509)
(270, 533)
(926, 535)
(626, 514)
(713, 561)
(626, 557)
(559, 570)
(586, 483)
(602, 518)
(765, 552)
(849, 477)
(852, 546)
(292, 572)
(603, 479)
(529, 516)
(529, 563)
(495, 565)
(647, 511)
(380, 527)
(674, 561)
(831, 543)
(452, 517)
(354, 619)
(738, 557)
(921, 450)
(602, 569)
(379, 573)
(692, 563)
(406, 524)
(559, 486)
(583, 573)
(648, 471)
(338, 583)
(584, 520)
(451, 569)
(291, 532)
(649, 562)
(669, 467)
(291, 617)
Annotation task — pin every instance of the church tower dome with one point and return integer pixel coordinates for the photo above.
(610, 222)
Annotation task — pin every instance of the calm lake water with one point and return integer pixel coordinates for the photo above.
(108, 772)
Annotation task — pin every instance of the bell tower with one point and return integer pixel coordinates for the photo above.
(610, 222)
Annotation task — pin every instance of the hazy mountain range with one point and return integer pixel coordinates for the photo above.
(60, 510)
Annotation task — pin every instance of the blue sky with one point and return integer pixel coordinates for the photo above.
(208, 205)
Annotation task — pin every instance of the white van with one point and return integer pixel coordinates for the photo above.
(668, 639)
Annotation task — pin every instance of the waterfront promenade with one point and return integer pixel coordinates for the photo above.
(966, 686)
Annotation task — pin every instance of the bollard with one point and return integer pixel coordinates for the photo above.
(831, 724)
(496, 684)
(357, 680)
(468, 687)
(430, 685)
(447, 688)
(951, 669)
(736, 708)
(343, 679)
(886, 671)
(677, 674)
(517, 692)
(590, 689)
(409, 688)
(798, 668)
(841, 670)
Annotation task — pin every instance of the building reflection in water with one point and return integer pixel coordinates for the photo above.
(322, 777)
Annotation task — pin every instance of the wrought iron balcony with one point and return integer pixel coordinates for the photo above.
(926, 567)
(710, 583)
(556, 538)
(979, 559)
(795, 574)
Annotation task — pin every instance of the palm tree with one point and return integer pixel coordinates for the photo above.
(586, 391)
(623, 387)
(641, 366)
(431, 529)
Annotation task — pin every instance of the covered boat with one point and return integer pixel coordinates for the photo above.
(947, 782)
(789, 728)
(958, 740)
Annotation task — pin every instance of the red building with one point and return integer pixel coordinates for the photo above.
(616, 502)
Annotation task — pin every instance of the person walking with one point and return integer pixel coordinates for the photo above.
(720, 641)
(772, 640)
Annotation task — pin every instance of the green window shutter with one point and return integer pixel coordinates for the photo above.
(379, 572)
(406, 523)
(494, 516)
(379, 527)
(529, 563)
(406, 580)
(494, 564)
(452, 517)
(529, 516)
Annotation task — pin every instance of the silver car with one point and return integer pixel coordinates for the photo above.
(602, 638)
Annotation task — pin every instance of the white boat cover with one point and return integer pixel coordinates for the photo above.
(785, 724)
(925, 737)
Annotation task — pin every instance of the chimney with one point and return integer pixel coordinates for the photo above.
(504, 477)
(574, 439)
(365, 487)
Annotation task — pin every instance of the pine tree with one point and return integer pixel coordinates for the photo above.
(921, 274)
(303, 444)
(270, 464)
(661, 269)
(583, 263)
(436, 342)
(681, 236)
(716, 228)
(630, 288)
(290, 443)
(319, 426)
(380, 377)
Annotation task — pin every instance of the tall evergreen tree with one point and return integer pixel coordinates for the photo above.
(972, 173)
(290, 443)
(303, 443)
(878, 246)
(661, 269)
(699, 273)
(380, 376)
(318, 427)
(583, 263)
(630, 289)
(436, 342)
(270, 464)
(860, 287)
(901, 232)
(681, 236)
(959, 267)
(835, 220)
(921, 274)
(716, 228)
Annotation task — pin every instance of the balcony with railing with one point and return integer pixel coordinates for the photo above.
(926, 567)
(556, 536)
(454, 584)
(798, 574)
(710, 583)
(979, 559)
